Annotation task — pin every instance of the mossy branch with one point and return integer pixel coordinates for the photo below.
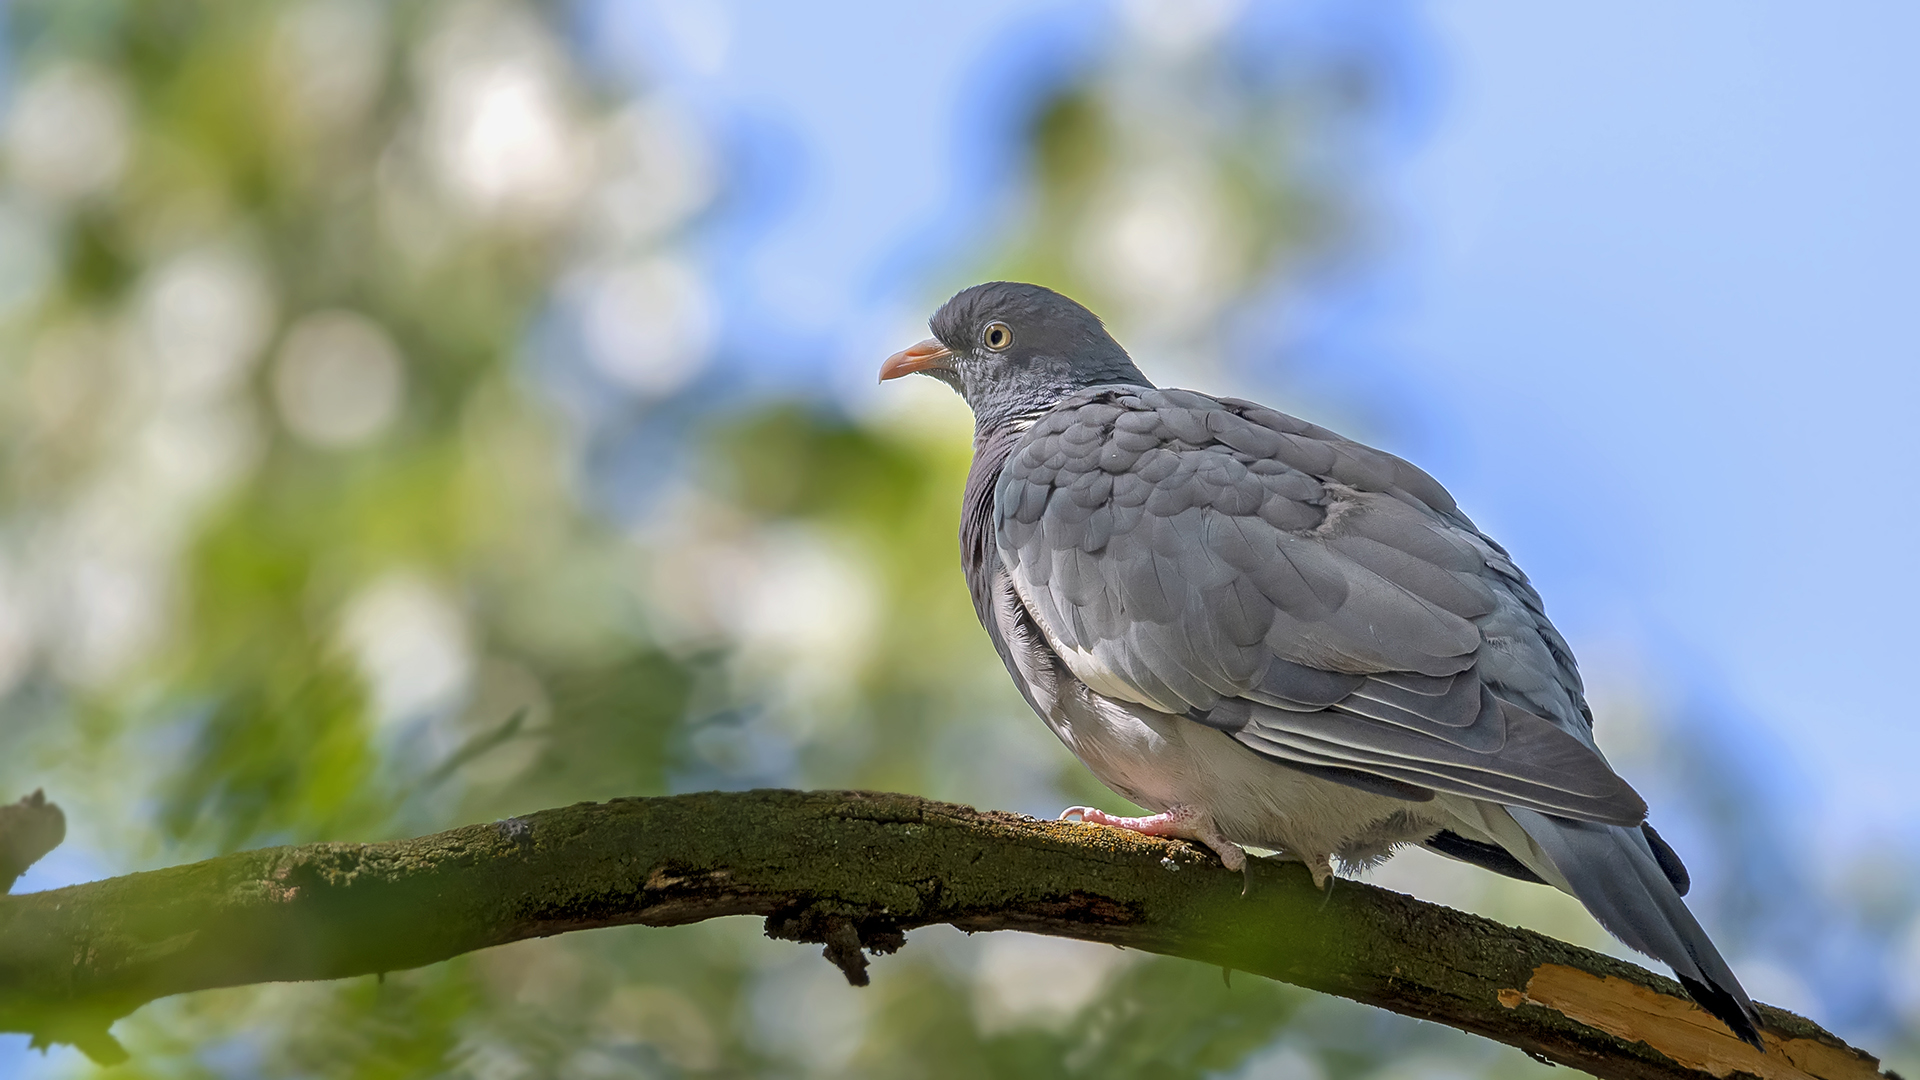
(853, 871)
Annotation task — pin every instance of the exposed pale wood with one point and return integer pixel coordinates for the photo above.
(1681, 1030)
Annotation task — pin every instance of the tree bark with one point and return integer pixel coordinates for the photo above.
(853, 871)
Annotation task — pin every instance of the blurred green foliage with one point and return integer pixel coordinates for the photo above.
(243, 604)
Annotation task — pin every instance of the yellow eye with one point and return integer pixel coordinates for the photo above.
(999, 336)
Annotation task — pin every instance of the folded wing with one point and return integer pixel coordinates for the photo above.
(1323, 602)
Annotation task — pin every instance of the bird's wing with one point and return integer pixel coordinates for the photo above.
(1322, 601)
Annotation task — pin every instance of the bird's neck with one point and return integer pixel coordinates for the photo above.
(1001, 428)
(991, 448)
(1015, 403)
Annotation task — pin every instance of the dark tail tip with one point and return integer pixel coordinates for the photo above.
(1731, 1011)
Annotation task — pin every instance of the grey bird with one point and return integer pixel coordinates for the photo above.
(1275, 637)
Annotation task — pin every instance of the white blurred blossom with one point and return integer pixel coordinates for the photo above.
(111, 611)
(141, 421)
(655, 171)
(1026, 980)
(647, 324)
(102, 566)
(808, 600)
(103, 577)
(149, 409)
(329, 58)
(204, 314)
(664, 1019)
(411, 643)
(500, 131)
(1178, 27)
(67, 133)
(189, 455)
(1160, 239)
(338, 379)
(802, 608)
(805, 1008)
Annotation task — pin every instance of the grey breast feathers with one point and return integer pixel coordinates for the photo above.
(1324, 602)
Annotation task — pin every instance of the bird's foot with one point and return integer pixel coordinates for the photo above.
(1320, 866)
(1182, 822)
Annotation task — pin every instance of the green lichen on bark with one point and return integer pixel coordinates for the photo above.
(854, 871)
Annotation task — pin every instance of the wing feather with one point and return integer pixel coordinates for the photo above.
(1322, 601)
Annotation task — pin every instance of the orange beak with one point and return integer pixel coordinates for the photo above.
(927, 355)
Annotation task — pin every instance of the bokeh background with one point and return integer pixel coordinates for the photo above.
(423, 412)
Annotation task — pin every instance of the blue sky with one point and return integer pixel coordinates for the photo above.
(1674, 245)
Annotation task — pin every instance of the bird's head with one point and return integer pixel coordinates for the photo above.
(1012, 350)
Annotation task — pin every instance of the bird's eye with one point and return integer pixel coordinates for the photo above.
(999, 336)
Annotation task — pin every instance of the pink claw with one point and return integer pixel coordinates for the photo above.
(1182, 822)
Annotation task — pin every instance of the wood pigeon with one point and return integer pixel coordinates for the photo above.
(1275, 637)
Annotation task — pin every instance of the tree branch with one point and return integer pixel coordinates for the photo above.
(28, 830)
(853, 871)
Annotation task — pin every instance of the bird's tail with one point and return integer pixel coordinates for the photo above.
(1615, 873)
